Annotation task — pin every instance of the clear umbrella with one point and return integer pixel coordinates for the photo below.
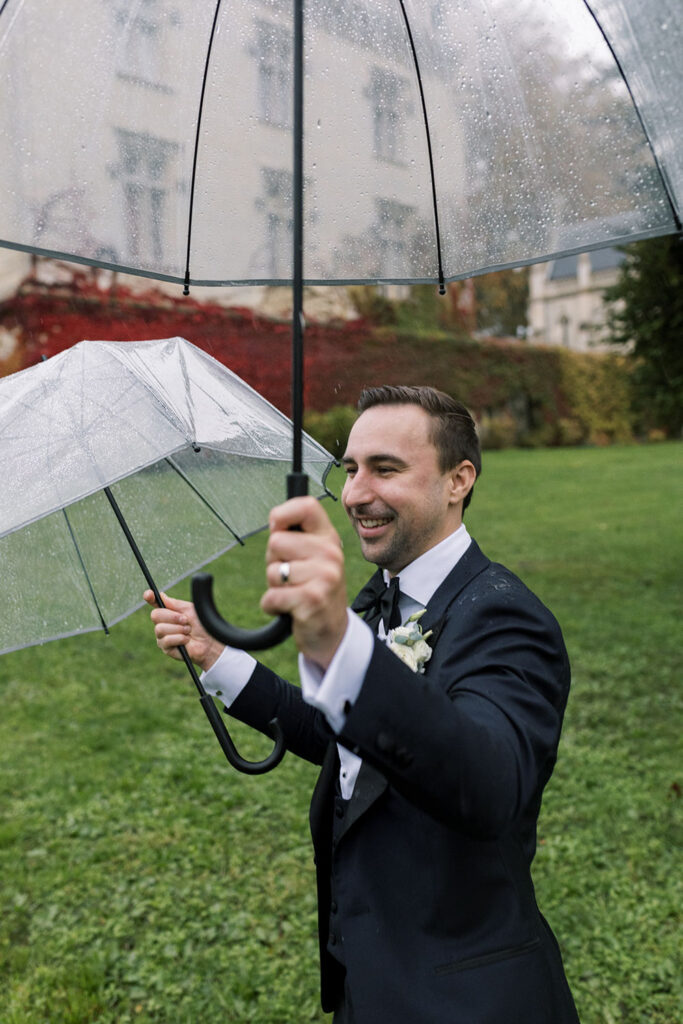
(438, 140)
(125, 463)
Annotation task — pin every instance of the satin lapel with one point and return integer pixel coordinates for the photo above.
(370, 785)
(323, 794)
(470, 565)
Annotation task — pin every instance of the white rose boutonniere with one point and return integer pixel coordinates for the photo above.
(409, 643)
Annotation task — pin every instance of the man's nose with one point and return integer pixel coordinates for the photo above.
(357, 490)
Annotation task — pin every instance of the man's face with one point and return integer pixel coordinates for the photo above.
(399, 501)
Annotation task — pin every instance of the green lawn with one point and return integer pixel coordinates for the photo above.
(142, 879)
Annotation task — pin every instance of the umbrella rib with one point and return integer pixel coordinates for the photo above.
(186, 288)
(202, 498)
(137, 554)
(157, 396)
(662, 175)
(85, 571)
(205, 699)
(437, 230)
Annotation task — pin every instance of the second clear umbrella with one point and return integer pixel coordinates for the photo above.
(127, 464)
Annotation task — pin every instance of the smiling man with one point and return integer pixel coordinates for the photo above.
(433, 767)
(406, 486)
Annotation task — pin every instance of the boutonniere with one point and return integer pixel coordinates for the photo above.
(409, 643)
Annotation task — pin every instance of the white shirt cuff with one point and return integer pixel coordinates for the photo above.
(228, 675)
(332, 691)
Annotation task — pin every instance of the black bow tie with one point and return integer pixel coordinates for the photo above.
(379, 601)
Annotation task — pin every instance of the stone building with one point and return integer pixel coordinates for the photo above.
(566, 306)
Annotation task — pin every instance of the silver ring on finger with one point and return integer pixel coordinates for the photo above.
(284, 572)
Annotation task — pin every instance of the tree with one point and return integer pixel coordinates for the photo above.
(502, 301)
(647, 316)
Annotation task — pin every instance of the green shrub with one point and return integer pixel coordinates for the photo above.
(498, 431)
(597, 391)
(372, 305)
(331, 428)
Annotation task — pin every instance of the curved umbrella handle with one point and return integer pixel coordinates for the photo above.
(234, 636)
(244, 639)
(229, 748)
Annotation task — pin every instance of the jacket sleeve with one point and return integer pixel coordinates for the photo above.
(474, 740)
(267, 696)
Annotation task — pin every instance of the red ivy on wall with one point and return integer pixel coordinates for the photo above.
(257, 349)
(522, 381)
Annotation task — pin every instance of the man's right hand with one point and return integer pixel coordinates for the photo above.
(177, 625)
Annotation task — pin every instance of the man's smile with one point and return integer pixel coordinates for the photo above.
(372, 523)
(369, 525)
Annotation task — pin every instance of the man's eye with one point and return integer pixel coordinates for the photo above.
(385, 470)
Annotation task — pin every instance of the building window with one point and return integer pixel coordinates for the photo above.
(565, 330)
(396, 226)
(143, 171)
(273, 51)
(141, 29)
(390, 110)
(276, 203)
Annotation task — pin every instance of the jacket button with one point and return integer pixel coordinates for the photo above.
(403, 757)
(333, 907)
(339, 810)
(384, 742)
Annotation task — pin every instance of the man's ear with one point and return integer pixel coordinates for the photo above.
(462, 479)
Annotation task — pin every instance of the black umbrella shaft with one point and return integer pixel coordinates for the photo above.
(298, 241)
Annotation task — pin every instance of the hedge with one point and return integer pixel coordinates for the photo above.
(519, 394)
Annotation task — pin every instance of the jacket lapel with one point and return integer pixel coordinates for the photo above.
(472, 563)
(370, 783)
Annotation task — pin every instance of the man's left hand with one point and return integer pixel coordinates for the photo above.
(314, 593)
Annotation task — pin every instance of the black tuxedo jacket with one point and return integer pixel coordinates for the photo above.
(431, 861)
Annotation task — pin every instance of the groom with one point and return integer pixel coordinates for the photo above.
(424, 815)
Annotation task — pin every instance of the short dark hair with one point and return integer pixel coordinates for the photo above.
(454, 433)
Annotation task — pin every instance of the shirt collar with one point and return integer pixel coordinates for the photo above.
(421, 578)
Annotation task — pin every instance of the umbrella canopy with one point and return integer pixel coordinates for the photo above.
(441, 139)
(194, 457)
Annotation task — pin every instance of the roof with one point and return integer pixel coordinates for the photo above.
(600, 259)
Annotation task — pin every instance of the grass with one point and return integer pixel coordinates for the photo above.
(142, 879)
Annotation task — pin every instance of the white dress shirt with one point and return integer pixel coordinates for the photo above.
(331, 690)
